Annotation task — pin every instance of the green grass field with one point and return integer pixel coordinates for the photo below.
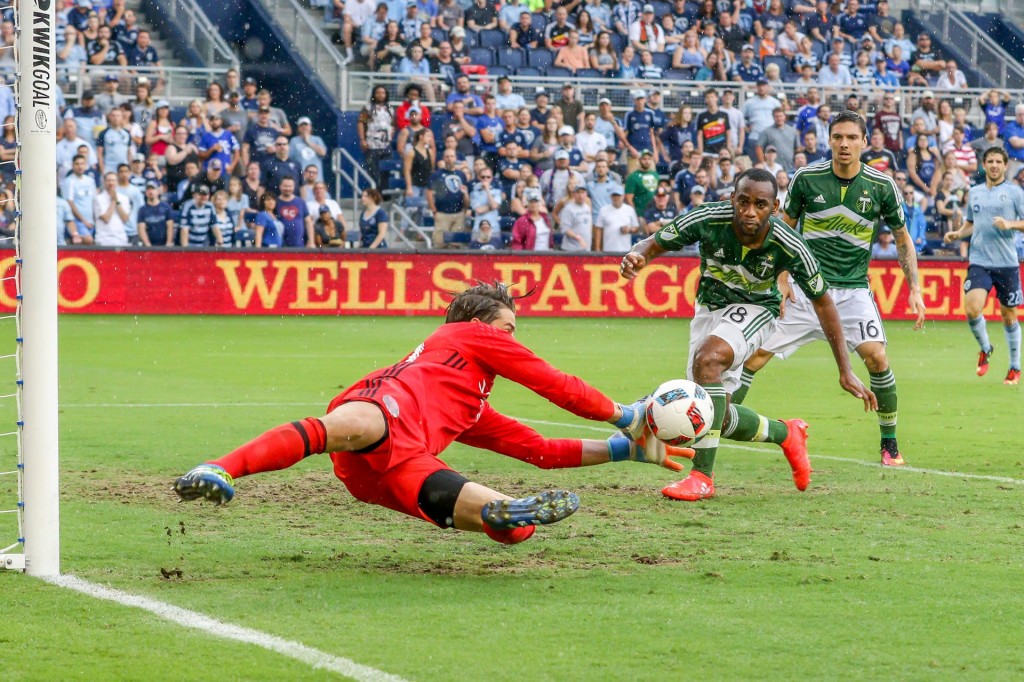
(871, 573)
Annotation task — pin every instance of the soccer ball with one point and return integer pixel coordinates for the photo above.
(679, 412)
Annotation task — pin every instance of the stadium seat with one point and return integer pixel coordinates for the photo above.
(507, 223)
(679, 75)
(511, 57)
(662, 59)
(538, 21)
(558, 72)
(472, 38)
(498, 71)
(439, 35)
(661, 8)
(782, 62)
(492, 39)
(541, 58)
(529, 72)
(557, 239)
(619, 41)
(456, 237)
(482, 56)
(588, 73)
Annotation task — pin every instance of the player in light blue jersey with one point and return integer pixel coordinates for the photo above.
(994, 211)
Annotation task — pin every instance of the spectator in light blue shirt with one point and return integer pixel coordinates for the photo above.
(885, 247)
(1014, 135)
(883, 78)
(414, 64)
(916, 225)
(508, 16)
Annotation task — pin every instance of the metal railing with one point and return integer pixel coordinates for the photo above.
(199, 31)
(305, 33)
(955, 29)
(675, 93)
(178, 85)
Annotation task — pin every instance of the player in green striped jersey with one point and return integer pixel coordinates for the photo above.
(837, 205)
(743, 249)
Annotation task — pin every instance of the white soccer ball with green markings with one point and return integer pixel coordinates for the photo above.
(679, 412)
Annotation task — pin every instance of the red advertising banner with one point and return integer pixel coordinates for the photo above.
(229, 282)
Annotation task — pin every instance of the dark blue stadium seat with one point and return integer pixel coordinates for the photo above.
(492, 39)
(679, 75)
(472, 38)
(481, 55)
(619, 41)
(511, 57)
(507, 222)
(540, 57)
(558, 72)
(588, 73)
(529, 71)
(498, 71)
(781, 61)
(661, 8)
(662, 59)
(538, 21)
(439, 35)
(456, 237)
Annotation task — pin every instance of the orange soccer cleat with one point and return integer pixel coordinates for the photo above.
(983, 357)
(795, 449)
(1012, 377)
(694, 487)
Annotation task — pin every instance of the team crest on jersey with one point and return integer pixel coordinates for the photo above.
(765, 267)
(669, 231)
(392, 405)
(817, 283)
(864, 203)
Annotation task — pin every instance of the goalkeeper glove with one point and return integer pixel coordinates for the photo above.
(647, 448)
(632, 420)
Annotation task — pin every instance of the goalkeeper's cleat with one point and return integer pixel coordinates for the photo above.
(795, 449)
(541, 509)
(694, 487)
(637, 423)
(983, 357)
(207, 481)
(890, 451)
(1012, 377)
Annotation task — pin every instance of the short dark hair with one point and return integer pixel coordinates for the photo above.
(483, 302)
(759, 175)
(263, 199)
(995, 150)
(848, 116)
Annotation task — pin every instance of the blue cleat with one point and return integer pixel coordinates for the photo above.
(206, 481)
(541, 509)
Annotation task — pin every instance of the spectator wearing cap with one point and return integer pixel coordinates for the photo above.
(758, 111)
(326, 232)
(307, 149)
(885, 79)
(556, 183)
(783, 137)
(608, 125)
(567, 142)
(506, 99)
(235, 118)
(867, 44)
(645, 33)
(411, 22)
(659, 212)
(926, 63)
(215, 176)
(114, 145)
(540, 112)
(110, 98)
(195, 226)
(771, 160)
(278, 167)
(885, 247)
(407, 135)
(556, 34)
(576, 221)
(278, 118)
(747, 69)
(616, 225)
(638, 125)
(926, 111)
(78, 15)
(460, 49)
(258, 141)
(220, 144)
(841, 48)
(105, 51)
(355, 15)
(248, 100)
(641, 183)
(533, 230)
(523, 35)
(155, 219)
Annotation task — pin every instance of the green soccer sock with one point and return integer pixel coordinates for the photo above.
(747, 425)
(883, 384)
(707, 447)
(746, 378)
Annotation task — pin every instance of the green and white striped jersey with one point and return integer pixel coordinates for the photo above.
(838, 219)
(732, 273)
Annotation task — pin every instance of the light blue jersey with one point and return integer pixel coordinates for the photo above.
(990, 246)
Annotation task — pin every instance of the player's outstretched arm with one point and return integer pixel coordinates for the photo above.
(638, 258)
(906, 254)
(828, 316)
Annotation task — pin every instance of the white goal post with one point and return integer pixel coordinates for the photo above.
(36, 92)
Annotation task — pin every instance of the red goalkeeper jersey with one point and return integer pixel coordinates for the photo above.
(450, 376)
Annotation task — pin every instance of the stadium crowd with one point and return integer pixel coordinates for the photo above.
(537, 169)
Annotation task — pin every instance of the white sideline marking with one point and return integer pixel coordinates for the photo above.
(848, 460)
(590, 427)
(197, 621)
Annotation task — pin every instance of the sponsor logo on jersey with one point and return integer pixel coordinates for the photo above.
(820, 199)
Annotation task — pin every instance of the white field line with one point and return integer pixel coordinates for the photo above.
(197, 621)
(589, 427)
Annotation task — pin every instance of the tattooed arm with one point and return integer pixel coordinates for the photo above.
(907, 257)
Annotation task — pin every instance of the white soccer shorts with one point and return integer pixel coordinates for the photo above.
(744, 326)
(799, 325)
